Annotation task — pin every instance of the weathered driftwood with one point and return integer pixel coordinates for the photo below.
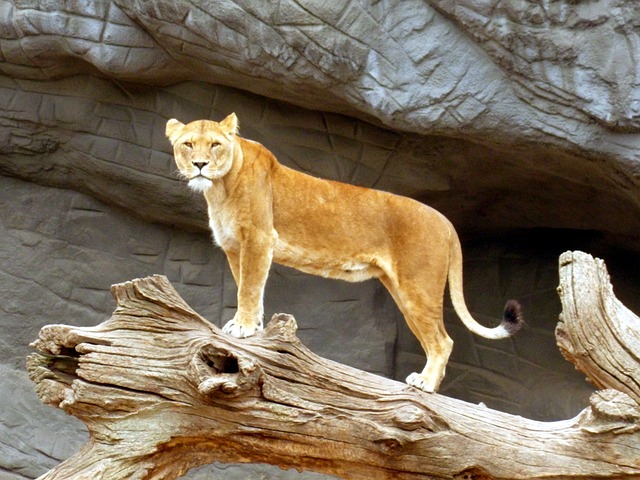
(161, 390)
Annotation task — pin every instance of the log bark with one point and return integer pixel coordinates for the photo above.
(161, 390)
(596, 332)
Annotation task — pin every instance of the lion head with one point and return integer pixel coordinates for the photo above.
(203, 149)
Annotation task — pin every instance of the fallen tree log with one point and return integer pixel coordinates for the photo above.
(161, 390)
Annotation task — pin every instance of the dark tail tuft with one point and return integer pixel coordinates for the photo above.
(512, 319)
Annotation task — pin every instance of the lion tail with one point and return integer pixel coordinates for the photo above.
(512, 319)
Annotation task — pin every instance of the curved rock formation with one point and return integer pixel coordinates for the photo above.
(546, 98)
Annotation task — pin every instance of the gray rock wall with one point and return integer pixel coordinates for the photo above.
(517, 120)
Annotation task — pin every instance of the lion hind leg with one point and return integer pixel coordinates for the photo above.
(423, 312)
(431, 376)
(438, 346)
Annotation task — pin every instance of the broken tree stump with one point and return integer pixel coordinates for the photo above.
(161, 390)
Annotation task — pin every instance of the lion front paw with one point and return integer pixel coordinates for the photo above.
(417, 380)
(240, 329)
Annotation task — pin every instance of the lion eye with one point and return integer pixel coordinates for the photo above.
(189, 145)
(215, 145)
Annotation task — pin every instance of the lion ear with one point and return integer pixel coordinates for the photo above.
(173, 129)
(230, 124)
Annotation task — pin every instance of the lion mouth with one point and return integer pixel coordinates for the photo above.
(200, 183)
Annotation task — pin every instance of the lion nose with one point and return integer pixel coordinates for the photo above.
(200, 165)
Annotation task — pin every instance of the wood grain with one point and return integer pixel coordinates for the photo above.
(161, 390)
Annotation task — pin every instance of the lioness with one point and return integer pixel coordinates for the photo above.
(261, 211)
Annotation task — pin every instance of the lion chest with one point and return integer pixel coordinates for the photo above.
(224, 228)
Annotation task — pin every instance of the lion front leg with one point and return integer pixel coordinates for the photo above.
(244, 325)
(251, 269)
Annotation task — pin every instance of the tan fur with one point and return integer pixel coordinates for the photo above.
(261, 211)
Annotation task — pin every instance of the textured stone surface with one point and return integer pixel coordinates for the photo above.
(580, 57)
(108, 141)
(547, 96)
(518, 120)
(523, 70)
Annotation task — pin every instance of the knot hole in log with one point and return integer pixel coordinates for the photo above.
(218, 370)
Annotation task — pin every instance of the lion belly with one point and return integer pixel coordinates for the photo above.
(355, 268)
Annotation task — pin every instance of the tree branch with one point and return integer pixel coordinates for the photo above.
(596, 332)
(161, 390)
